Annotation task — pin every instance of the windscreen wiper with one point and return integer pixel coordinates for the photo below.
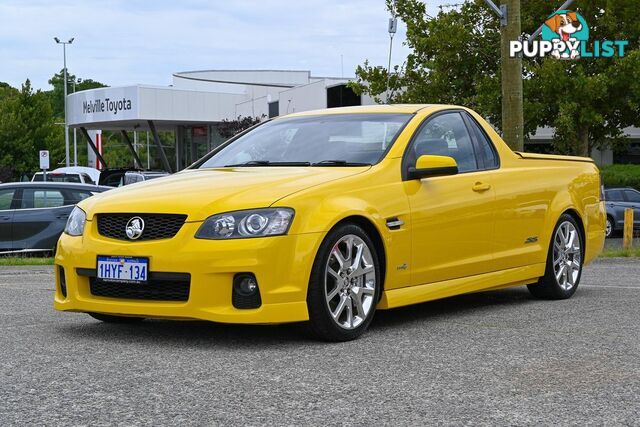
(267, 163)
(339, 163)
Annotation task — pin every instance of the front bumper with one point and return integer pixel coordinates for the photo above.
(282, 266)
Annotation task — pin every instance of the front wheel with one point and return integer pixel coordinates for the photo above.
(344, 286)
(564, 262)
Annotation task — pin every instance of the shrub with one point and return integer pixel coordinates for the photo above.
(621, 176)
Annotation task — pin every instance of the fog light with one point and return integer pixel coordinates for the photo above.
(245, 293)
(247, 286)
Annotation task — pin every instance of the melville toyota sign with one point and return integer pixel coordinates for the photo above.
(102, 105)
(106, 104)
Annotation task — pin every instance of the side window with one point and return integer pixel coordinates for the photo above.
(6, 197)
(78, 196)
(632, 196)
(447, 135)
(613, 196)
(34, 198)
(487, 149)
(87, 179)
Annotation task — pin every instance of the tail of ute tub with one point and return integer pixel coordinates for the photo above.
(326, 216)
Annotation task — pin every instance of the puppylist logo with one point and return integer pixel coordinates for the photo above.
(565, 35)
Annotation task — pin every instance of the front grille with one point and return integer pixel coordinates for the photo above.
(156, 226)
(153, 290)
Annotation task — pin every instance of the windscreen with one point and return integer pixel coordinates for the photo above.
(340, 138)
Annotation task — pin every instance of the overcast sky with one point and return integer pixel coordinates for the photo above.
(121, 42)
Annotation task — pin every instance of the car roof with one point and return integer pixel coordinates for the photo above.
(59, 185)
(364, 109)
(373, 109)
(620, 188)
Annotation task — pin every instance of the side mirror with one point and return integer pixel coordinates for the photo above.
(430, 166)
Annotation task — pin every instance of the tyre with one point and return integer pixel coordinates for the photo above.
(344, 286)
(564, 262)
(608, 230)
(107, 318)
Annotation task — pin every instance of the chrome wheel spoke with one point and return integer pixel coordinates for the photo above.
(561, 272)
(340, 308)
(337, 255)
(331, 295)
(349, 306)
(333, 273)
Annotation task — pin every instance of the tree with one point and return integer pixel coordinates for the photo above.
(57, 93)
(27, 125)
(455, 59)
(229, 128)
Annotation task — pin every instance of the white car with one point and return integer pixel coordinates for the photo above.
(76, 174)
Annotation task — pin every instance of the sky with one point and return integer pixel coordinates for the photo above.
(123, 42)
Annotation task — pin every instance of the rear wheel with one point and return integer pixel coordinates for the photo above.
(344, 285)
(564, 262)
(108, 318)
(608, 231)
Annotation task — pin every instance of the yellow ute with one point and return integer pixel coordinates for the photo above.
(326, 216)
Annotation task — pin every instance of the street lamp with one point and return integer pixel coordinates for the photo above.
(66, 123)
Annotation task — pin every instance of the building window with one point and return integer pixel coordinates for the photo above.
(274, 109)
(342, 96)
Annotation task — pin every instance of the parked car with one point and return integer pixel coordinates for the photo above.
(118, 177)
(617, 200)
(325, 216)
(131, 177)
(75, 174)
(33, 214)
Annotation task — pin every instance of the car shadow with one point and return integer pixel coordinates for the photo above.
(204, 334)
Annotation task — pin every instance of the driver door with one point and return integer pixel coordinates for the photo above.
(452, 217)
(6, 218)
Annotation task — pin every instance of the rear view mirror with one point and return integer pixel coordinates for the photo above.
(430, 166)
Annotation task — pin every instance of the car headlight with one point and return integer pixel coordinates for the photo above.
(75, 223)
(248, 223)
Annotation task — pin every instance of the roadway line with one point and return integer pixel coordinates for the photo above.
(611, 286)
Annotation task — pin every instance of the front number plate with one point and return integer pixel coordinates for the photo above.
(123, 269)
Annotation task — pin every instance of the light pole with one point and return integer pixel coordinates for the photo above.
(66, 124)
(75, 136)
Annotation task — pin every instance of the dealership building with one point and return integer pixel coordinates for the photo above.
(197, 102)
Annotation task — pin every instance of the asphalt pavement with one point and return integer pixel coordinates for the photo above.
(495, 358)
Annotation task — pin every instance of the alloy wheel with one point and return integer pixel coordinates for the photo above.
(609, 228)
(567, 255)
(350, 282)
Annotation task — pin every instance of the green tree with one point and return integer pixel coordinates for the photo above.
(455, 59)
(57, 93)
(27, 125)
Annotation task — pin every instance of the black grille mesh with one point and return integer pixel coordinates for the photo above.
(154, 290)
(156, 226)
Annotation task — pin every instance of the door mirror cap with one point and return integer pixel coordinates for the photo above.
(430, 166)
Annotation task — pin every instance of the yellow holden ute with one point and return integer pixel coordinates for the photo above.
(327, 216)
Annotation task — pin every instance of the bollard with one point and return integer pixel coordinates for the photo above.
(627, 237)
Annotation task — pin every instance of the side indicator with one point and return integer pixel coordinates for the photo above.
(394, 223)
(532, 239)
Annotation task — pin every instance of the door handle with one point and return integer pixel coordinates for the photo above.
(480, 187)
(5, 218)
